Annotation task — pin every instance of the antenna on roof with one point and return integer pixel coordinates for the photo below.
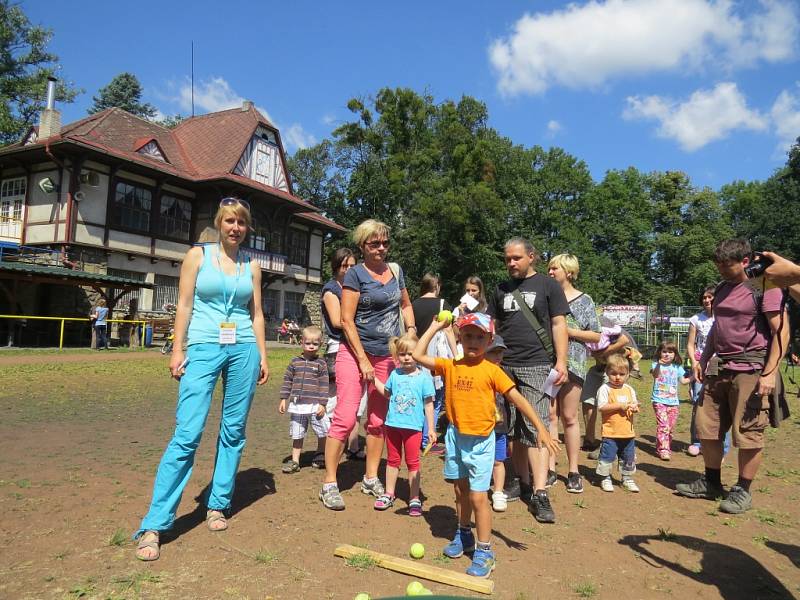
(192, 77)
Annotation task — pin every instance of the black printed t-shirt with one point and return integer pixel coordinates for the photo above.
(545, 298)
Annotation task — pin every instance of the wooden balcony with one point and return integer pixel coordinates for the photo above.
(273, 263)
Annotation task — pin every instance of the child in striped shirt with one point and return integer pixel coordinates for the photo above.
(304, 394)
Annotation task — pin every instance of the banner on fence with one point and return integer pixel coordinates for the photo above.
(633, 315)
(679, 324)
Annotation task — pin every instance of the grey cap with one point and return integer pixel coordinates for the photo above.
(497, 342)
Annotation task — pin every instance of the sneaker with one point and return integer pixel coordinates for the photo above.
(482, 563)
(737, 501)
(415, 508)
(461, 543)
(552, 479)
(630, 485)
(594, 454)
(331, 498)
(693, 450)
(606, 484)
(541, 509)
(512, 490)
(574, 483)
(290, 466)
(700, 488)
(499, 502)
(664, 455)
(372, 489)
(525, 492)
(383, 502)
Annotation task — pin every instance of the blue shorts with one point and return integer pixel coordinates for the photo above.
(469, 457)
(500, 447)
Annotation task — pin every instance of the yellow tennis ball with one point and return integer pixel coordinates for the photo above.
(414, 588)
(445, 315)
(362, 596)
(417, 550)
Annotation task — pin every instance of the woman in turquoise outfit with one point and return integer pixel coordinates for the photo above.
(219, 303)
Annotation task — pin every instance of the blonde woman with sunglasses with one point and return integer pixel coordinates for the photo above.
(219, 305)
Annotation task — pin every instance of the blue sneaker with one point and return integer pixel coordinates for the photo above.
(462, 542)
(482, 563)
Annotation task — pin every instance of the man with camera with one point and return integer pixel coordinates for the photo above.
(738, 368)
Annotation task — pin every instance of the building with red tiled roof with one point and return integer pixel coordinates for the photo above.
(121, 195)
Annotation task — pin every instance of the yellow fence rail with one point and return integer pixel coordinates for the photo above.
(64, 319)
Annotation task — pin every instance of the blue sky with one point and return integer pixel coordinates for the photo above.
(709, 87)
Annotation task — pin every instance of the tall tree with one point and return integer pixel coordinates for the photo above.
(124, 92)
(25, 65)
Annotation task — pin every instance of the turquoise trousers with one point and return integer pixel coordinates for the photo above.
(239, 366)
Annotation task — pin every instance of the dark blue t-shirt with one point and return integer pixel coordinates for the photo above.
(334, 288)
(378, 311)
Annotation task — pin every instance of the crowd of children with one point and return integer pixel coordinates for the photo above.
(477, 399)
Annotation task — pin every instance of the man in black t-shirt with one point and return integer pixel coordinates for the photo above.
(528, 362)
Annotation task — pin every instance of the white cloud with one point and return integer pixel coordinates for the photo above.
(707, 115)
(785, 115)
(553, 128)
(587, 45)
(297, 137)
(328, 119)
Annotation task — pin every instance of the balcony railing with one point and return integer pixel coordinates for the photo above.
(275, 263)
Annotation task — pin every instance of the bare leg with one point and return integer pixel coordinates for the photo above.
(457, 492)
(499, 475)
(539, 459)
(553, 427)
(590, 418)
(569, 398)
(374, 452)
(483, 516)
(297, 446)
(391, 479)
(519, 458)
(333, 454)
(352, 440)
(413, 483)
(749, 461)
(712, 453)
(465, 506)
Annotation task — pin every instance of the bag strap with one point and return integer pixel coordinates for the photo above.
(395, 269)
(544, 337)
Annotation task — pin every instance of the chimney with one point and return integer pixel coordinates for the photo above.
(247, 105)
(50, 119)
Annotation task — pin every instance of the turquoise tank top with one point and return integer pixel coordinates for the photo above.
(211, 291)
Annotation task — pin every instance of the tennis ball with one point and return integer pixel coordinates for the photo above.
(425, 592)
(417, 550)
(362, 596)
(414, 588)
(445, 315)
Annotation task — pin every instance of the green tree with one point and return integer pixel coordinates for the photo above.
(25, 65)
(124, 92)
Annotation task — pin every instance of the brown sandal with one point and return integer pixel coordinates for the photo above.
(216, 516)
(153, 544)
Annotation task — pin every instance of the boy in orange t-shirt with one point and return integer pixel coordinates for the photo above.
(470, 386)
(616, 401)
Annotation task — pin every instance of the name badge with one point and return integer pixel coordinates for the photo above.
(227, 333)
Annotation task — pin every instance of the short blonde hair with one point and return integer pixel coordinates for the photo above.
(311, 332)
(238, 209)
(617, 361)
(568, 262)
(369, 229)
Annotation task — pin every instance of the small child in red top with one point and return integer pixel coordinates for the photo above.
(304, 395)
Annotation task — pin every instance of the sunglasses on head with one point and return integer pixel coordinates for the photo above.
(234, 202)
(375, 244)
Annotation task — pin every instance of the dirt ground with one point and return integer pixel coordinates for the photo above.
(82, 433)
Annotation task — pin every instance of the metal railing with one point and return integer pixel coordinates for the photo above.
(141, 323)
(10, 228)
(268, 261)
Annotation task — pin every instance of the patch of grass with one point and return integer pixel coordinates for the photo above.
(361, 561)
(779, 473)
(24, 483)
(530, 530)
(763, 490)
(581, 504)
(442, 559)
(119, 538)
(713, 512)
(84, 589)
(134, 581)
(666, 533)
(730, 523)
(585, 590)
(61, 555)
(772, 518)
(265, 557)
(761, 540)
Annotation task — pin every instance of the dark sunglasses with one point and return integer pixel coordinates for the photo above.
(375, 244)
(234, 202)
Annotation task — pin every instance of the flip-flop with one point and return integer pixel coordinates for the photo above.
(215, 516)
(150, 545)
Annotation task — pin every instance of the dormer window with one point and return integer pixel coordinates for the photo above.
(152, 150)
